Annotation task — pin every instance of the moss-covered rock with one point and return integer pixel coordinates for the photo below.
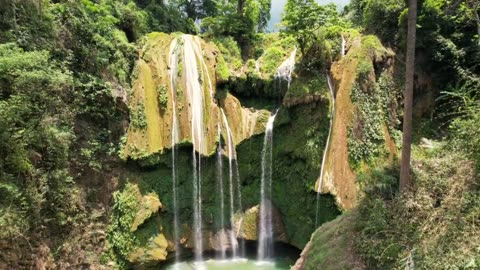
(247, 224)
(331, 247)
(357, 72)
(148, 205)
(156, 89)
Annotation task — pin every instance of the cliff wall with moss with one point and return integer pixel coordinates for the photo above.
(366, 99)
(246, 92)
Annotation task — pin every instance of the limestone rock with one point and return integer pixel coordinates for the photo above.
(162, 78)
(156, 251)
(149, 205)
(246, 225)
(222, 240)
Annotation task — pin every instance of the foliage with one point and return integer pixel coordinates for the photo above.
(447, 40)
(313, 26)
(464, 129)
(162, 96)
(303, 18)
(230, 52)
(376, 108)
(120, 236)
(241, 19)
(34, 150)
(435, 225)
(379, 17)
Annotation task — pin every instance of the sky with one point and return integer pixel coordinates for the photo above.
(278, 5)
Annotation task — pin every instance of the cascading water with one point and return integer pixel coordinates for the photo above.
(344, 44)
(231, 147)
(192, 53)
(327, 146)
(223, 244)
(265, 239)
(240, 205)
(173, 73)
(285, 70)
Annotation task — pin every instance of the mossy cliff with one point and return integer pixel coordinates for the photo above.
(365, 116)
(156, 88)
(299, 138)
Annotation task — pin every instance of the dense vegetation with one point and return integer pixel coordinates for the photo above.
(66, 70)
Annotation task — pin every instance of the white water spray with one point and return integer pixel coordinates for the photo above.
(192, 53)
(265, 239)
(285, 70)
(230, 147)
(223, 243)
(173, 75)
(327, 146)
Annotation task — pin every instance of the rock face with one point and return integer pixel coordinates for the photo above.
(164, 76)
(173, 74)
(246, 225)
(339, 178)
(331, 247)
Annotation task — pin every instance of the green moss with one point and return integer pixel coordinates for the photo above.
(138, 120)
(121, 239)
(149, 205)
(365, 134)
(303, 87)
(251, 66)
(230, 51)
(295, 168)
(376, 108)
(222, 70)
(331, 246)
(270, 61)
(364, 68)
(162, 96)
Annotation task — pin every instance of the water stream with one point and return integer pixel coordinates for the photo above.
(230, 147)
(222, 240)
(174, 139)
(265, 239)
(327, 146)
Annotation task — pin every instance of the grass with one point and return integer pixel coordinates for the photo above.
(331, 246)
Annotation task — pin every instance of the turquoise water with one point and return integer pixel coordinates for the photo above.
(238, 264)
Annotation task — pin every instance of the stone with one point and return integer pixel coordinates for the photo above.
(149, 205)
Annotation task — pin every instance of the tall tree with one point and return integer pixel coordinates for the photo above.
(405, 178)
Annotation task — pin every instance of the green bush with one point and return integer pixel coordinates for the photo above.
(162, 96)
(138, 118)
(120, 237)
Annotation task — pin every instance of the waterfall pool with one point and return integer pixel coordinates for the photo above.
(284, 257)
(237, 264)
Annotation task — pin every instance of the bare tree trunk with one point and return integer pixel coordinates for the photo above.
(405, 178)
(477, 19)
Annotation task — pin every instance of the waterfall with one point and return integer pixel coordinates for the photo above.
(327, 146)
(223, 243)
(285, 70)
(265, 239)
(192, 53)
(231, 147)
(343, 46)
(240, 205)
(173, 75)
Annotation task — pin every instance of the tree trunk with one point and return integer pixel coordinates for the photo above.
(240, 6)
(477, 20)
(405, 178)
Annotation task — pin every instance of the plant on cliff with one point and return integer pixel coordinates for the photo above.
(120, 235)
(162, 96)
